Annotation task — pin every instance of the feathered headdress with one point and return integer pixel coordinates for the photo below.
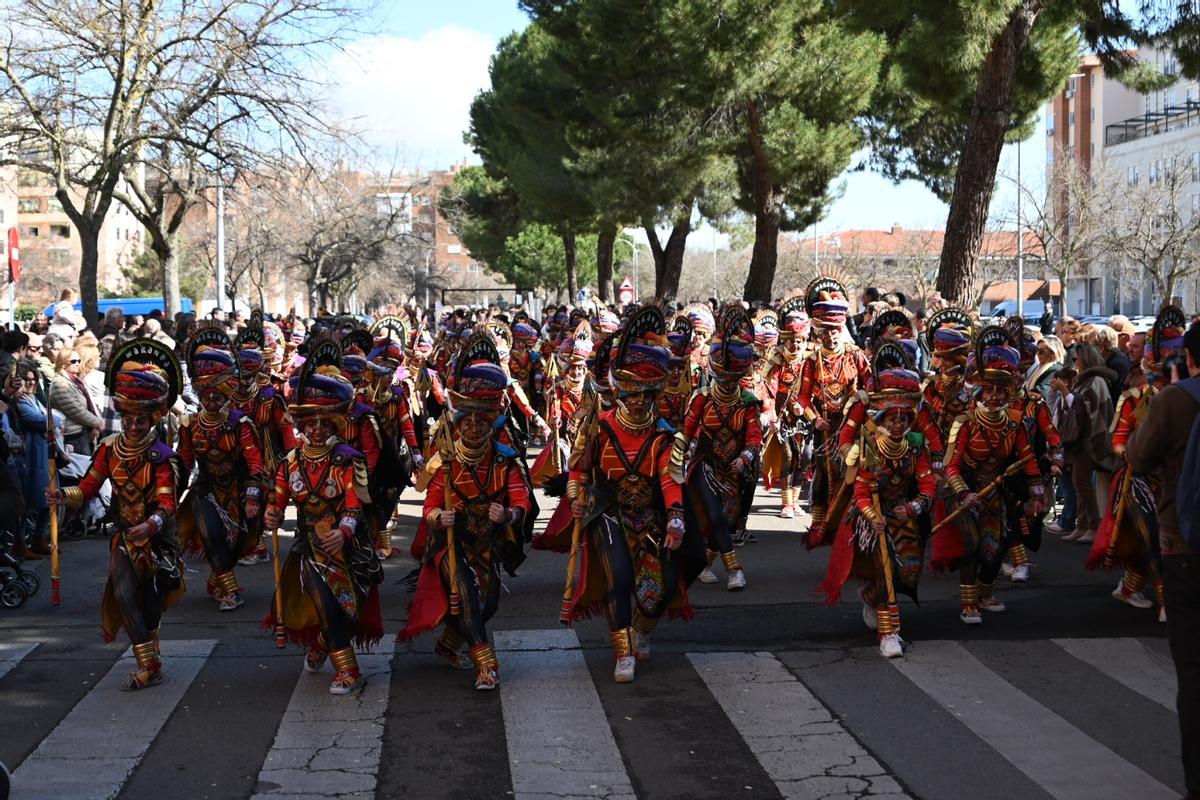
(478, 383)
(1165, 338)
(731, 352)
(210, 359)
(143, 376)
(825, 301)
(320, 389)
(640, 363)
(996, 357)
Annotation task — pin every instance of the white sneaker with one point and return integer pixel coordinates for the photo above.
(891, 646)
(970, 616)
(708, 576)
(787, 512)
(736, 580)
(641, 645)
(1054, 528)
(870, 618)
(1135, 599)
(992, 603)
(1020, 573)
(1006, 569)
(1162, 614)
(230, 602)
(623, 671)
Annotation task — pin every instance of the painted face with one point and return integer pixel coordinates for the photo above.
(827, 338)
(897, 423)
(576, 372)
(994, 396)
(475, 428)
(137, 425)
(213, 400)
(675, 374)
(318, 430)
(638, 405)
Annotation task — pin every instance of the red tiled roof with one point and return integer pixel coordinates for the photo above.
(899, 242)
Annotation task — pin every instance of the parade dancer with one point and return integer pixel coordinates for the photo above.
(397, 432)
(475, 505)
(328, 589)
(830, 374)
(788, 449)
(700, 315)
(673, 400)
(989, 451)
(227, 493)
(144, 574)
(893, 488)
(1128, 535)
(267, 411)
(721, 444)
(1047, 446)
(629, 526)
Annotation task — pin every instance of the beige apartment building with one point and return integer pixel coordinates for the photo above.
(50, 249)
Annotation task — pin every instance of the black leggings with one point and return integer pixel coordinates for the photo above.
(138, 598)
(337, 628)
(222, 554)
(617, 565)
(474, 609)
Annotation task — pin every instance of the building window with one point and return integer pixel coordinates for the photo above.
(58, 257)
(1152, 178)
(1093, 149)
(1093, 113)
(29, 205)
(60, 231)
(30, 232)
(54, 206)
(473, 266)
(1071, 118)
(1049, 124)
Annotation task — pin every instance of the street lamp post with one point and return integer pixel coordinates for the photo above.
(220, 223)
(637, 280)
(1020, 247)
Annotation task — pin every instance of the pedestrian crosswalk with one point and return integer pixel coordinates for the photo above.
(805, 723)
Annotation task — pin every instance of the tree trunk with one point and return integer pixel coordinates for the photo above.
(168, 260)
(604, 261)
(568, 240)
(976, 176)
(768, 210)
(89, 265)
(668, 261)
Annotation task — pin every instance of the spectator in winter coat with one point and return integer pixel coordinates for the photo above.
(70, 397)
(1158, 445)
(1092, 407)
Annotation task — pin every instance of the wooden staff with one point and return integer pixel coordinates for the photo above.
(985, 492)
(280, 628)
(885, 554)
(446, 446)
(55, 587)
(564, 614)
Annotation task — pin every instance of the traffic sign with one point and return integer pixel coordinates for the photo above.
(14, 255)
(625, 292)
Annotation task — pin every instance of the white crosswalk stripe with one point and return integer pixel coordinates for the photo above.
(1037, 741)
(1129, 662)
(807, 753)
(559, 741)
(11, 654)
(91, 753)
(329, 746)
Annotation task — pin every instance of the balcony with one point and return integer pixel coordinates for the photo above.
(1153, 123)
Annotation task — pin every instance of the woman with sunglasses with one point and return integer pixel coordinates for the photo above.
(69, 395)
(32, 417)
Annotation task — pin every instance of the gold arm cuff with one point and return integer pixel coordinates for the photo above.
(73, 496)
(958, 485)
(432, 516)
(574, 489)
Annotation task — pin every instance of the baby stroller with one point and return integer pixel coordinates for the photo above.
(90, 519)
(21, 584)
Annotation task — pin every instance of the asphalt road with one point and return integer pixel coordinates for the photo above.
(767, 693)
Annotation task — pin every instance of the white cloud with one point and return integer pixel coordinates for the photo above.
(412, 97)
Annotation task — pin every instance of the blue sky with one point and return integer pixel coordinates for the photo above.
(410, 83)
